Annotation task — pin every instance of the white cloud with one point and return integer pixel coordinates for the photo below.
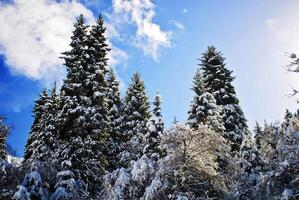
(148, 36)
(185, 11)
(35, 33)
(283, 32)
(117, 56)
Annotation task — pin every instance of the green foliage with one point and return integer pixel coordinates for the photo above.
(4, 130)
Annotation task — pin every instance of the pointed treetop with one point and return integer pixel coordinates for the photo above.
(197, 85)
(257, 129)
(157, 105)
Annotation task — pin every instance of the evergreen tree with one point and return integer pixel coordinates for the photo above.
(98, 48)
(266, 142)
(67, 186)
(218, 81)
(250, 164)
(208, 113)
(3, 136)
(257, 129)
(46, 140)
(136, 114)
(31, 188)
(287, 118)
(155, 131)
(96, 82)
(203, 109)
(195, 118)
(38, 112)
(73, 92)
(114, 114)
(83, 121)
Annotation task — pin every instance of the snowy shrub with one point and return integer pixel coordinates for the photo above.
(190, 168)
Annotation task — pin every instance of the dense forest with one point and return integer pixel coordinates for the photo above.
(89, 142)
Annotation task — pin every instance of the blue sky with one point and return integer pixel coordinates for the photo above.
(162, 40)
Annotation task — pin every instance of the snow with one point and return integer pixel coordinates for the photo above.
(21, 194)
(152, 190)
(142, 169)
(14, 160)
(287, 193)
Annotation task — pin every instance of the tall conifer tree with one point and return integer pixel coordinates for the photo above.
(83, 121)
(155, 131)
(218, 81)
(114, 114)
(204, 109)
(38, 111)
(3, 136)
(46, 144)
(195, 118)
(136, 114)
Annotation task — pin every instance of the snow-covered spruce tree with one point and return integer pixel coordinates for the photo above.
(4, 130)
(9, 174)
(83, 121)
(218, 81)
(38, 112)
(281, 181)
(250, 166)
(46, 142)
(67, 186)
(114, 114)
(257, 129)
(96, 83)
(31, 188)
(266, 141)
(136, 114)
(189, 172)
(155, 131)
(11, 177)
(204, 109)
(195, 117)
(287, 119)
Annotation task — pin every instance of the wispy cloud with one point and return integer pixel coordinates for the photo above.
(140, 13)
(178, 25)
(283, 32)
(185, 11)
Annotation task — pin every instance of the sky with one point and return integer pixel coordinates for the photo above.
(162, 40)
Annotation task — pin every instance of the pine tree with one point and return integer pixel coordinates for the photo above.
(203, 109)
(4, 130)
(96, 81)
(38, 112)
(31, 188)
(67, 186)
(114, 114)
(266, 141)
(218, 81)
(46, 140)
(250, 164)
(287, 118)
(194, 117)
(136, 114)
(257, 129)
(250, 160)
(155, 131)
(73, 92)
(83, 121)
